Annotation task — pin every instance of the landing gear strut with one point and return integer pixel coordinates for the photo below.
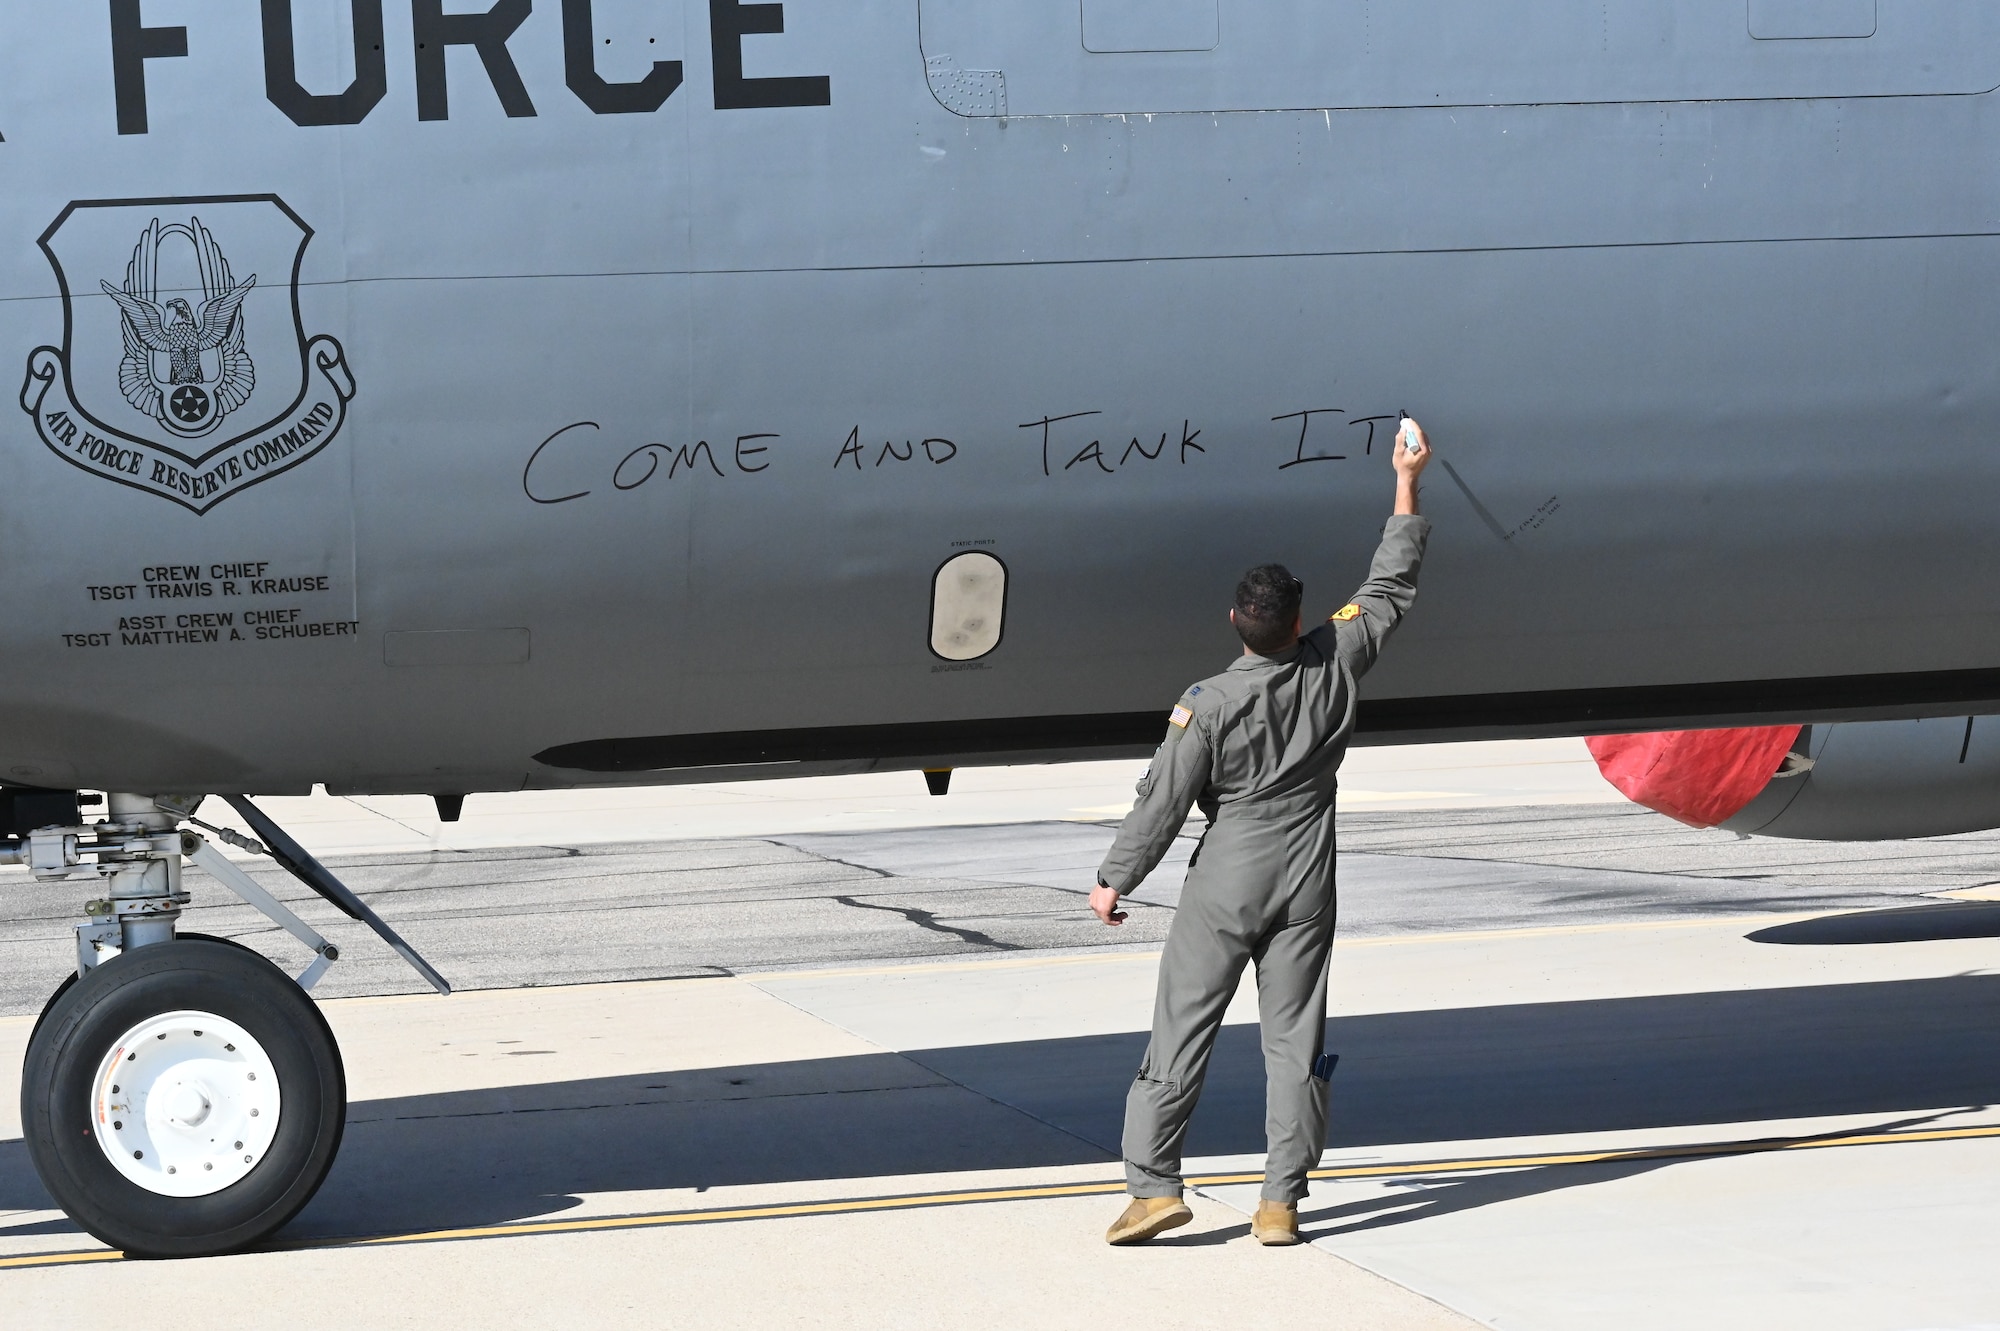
(182, 1096)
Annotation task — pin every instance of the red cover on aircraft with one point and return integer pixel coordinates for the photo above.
(1700, 777)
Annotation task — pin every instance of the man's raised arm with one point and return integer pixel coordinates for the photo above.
(1356, 631)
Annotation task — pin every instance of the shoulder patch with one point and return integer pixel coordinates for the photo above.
(1180, 717)
(1345, 613)
(1193, 691)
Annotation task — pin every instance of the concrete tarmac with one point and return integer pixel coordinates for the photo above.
(1596, 1070)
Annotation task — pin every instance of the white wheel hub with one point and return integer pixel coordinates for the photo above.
(186, 1104)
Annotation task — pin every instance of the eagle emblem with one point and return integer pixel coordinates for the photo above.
(185, 366)
(199, 385)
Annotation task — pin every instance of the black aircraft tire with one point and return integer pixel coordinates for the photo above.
(69, 983)
(80, 1030)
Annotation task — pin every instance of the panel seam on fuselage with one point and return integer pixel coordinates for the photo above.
(1106, 260)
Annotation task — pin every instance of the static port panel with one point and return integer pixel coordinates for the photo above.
(968, 604)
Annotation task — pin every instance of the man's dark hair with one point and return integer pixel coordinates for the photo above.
(1267, 604)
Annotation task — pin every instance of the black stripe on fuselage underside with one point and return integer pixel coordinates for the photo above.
(892, 743)
(1381, 721)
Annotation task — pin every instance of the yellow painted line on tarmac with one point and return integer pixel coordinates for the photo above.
(847, 1206)
(850, 1206)
(60, 1259)
(975, 1196)
(1689, 1151)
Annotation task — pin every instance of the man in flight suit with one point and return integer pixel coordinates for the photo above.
(1257, 747)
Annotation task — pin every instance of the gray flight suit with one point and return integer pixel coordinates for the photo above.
(1257, 747)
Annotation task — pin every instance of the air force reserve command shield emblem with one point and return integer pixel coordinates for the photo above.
(185, 369)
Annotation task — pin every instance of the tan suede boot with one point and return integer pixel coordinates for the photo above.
(1276, 1224)
(1146, 1217)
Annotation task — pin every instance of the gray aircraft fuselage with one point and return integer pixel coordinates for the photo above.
(617, 378)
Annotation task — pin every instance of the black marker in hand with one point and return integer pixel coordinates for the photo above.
(1408, 434)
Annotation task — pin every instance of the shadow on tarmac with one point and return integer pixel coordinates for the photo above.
(1440, 1195)
(484, 1157)
(1903, 924)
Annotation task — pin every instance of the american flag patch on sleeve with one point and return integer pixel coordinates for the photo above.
(1180, 717)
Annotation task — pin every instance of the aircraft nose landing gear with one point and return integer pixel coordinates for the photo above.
(182, 1096)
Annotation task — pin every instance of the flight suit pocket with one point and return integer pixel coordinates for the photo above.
(1167, 1086)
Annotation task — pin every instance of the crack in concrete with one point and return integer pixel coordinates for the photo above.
(924, 919)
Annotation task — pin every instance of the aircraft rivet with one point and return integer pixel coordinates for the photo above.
(117, 1125)
(161, 1036)
(239, 1146)
(253, 1113)
(246, 1159)
(253, 1076)
(138, 1155)
(230, 1047)
(197, 1032)
(130, 1057)
(114, 1090)
(205, 1165)
(172, 1170)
